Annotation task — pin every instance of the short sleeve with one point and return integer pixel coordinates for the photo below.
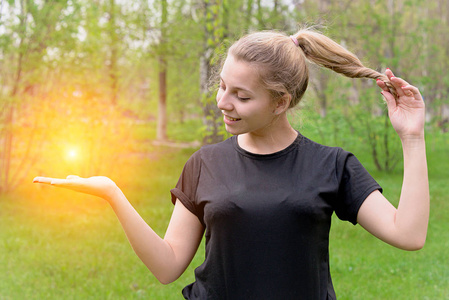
(186, 187)
(355, 185)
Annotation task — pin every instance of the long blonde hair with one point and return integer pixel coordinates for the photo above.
(282, 65)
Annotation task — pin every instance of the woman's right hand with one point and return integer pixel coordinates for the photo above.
(166, 258)
(97, 186)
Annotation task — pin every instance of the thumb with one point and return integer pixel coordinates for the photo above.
(391, 101)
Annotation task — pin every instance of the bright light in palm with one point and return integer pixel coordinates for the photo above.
(72, 153)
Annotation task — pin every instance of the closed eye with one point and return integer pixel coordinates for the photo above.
(243, 98)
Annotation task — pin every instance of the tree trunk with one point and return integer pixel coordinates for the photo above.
(7, 147)
(260, 19)
(212, 37)
(161, 134)
(162, 107)
(114, 52)
(249, 14)
(5, 156)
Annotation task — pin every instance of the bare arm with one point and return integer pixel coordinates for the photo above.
(166, 258)
(406, 226)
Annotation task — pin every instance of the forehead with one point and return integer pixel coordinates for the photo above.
(240, 74)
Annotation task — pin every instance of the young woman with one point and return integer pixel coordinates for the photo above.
(264, 197)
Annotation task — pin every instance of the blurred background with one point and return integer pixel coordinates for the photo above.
(122, 89)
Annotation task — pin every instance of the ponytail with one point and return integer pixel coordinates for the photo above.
(281, 61)
(324, 52)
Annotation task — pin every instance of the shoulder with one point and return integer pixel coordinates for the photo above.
(210, 153)
(318, 151)
(327, 158)
(226, 144)
(213, 150)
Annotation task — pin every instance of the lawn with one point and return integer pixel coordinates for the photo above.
(55, 244)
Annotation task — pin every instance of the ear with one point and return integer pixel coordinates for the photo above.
(282, 104)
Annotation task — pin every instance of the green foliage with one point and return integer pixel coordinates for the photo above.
(361, 125)
(110, 49)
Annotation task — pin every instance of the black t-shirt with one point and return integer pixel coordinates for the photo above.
(267, 217)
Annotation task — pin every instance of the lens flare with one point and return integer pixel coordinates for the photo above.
(72, 154)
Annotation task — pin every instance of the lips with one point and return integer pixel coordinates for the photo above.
(231, 118)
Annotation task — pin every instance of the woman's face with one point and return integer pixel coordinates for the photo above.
(246, 105)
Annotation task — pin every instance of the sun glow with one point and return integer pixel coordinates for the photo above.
(72, 154)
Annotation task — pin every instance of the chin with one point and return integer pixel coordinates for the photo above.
(234, 131)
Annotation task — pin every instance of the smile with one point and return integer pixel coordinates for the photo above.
(232, 119)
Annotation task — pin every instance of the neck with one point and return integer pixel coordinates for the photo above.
(278, 136)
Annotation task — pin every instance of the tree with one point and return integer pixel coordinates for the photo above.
(9, 107)
(113, 50)
(162, 62)
(27, 48)
(213, 35)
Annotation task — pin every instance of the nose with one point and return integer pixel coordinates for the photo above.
(224, 101)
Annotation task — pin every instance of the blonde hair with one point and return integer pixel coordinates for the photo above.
(282, 65)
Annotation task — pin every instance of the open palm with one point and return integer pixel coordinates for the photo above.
(97, 185)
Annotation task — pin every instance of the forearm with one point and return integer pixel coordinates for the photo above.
(154, 252)
(404, 227)
(412, 215)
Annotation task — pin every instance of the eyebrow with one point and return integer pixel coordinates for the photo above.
(238, 88)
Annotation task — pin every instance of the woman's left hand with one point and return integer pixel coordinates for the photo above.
(407, 113)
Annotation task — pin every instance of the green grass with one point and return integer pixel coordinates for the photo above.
(365, 268)
(59, 245)
(55, 244)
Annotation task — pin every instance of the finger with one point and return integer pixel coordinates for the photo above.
(389, 73)
(68, 183)
(412, 91)
(73, 177)
(407, 92)
(60, 182)
(54, 181)
(391, 101)
(45, 180)
(387, 85)
(382, 85)
(398, 83)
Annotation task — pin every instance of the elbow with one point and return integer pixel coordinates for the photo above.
(166, 279)
(165, 282)
(415, 245)
(419, 245)
(164, 273)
